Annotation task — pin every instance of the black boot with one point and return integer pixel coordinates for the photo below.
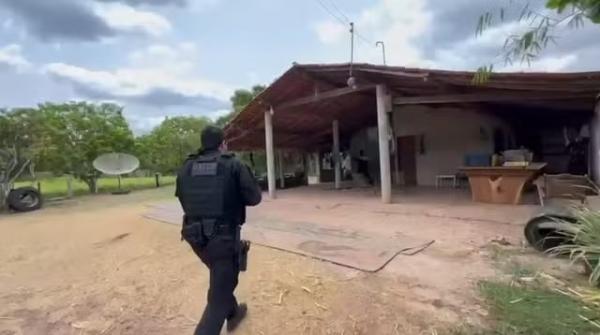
(240, 314)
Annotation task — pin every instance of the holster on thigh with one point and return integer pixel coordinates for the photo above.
(193, 232)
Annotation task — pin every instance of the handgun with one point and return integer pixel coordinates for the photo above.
(243, 257)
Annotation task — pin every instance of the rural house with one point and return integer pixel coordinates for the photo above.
(414, 127)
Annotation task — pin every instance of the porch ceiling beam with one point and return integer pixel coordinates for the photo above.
(307, 141)
(323, 96)
(486, 97)
(286, 133)
(308, 114)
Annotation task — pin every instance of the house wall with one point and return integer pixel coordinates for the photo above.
(449, 134)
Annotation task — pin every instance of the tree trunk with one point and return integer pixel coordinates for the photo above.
(92, 184)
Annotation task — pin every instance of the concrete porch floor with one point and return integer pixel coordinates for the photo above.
(419, 201)
(449, 217)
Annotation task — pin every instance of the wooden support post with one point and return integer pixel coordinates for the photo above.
(306, 166)
(280, 166)
(595, 143)
(318, 166)
(396, 152)
(270, 152)
(336, 155)
(384, 145)
(157, 179)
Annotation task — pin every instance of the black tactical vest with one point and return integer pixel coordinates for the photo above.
(206, 186)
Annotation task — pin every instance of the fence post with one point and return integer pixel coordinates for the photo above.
(39, 187)
(157, 179)
(69, 186)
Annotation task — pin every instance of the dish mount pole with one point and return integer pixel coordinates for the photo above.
(351, 80)
(336, 155)
(378, 43)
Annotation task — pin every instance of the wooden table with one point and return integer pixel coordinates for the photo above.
(501, 184)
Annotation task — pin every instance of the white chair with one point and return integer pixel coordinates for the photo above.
(442, 179)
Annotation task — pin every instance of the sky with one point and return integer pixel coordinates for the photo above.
(162, 58)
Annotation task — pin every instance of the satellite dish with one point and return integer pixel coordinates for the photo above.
(116, 164)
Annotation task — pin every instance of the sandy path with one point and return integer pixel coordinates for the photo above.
(95, 266)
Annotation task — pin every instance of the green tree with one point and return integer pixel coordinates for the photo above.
(25, 130)
(21, 129)
(74, 134)
(166, 146)
(540, 28)
(240, 99)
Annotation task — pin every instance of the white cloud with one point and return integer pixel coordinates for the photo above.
(465, 53)
(545, 64)
(329, 32)
(440, 34)
(180, 59)
(141, 124)
(488, 48)
(126, 18)
(400, 23)
(11, 56)
(494, 36)
(219, 113)
(170, 70)
(104, 80)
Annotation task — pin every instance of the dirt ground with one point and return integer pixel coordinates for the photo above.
(96, 266)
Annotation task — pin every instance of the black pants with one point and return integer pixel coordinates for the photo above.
(221, 258)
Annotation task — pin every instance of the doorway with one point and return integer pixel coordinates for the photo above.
(407, 159)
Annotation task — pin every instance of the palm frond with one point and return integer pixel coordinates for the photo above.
(585, 241)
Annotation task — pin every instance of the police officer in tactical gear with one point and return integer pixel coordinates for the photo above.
(214, 189)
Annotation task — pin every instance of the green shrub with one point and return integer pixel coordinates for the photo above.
(585, 245)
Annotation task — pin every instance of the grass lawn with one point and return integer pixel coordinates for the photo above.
(57, 187)
(532, 306)
(533, 311)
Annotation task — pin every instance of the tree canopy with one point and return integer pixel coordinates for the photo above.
(68, 137)
(240, 99)
(166, 146)
(21, 129)
(74, 134)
